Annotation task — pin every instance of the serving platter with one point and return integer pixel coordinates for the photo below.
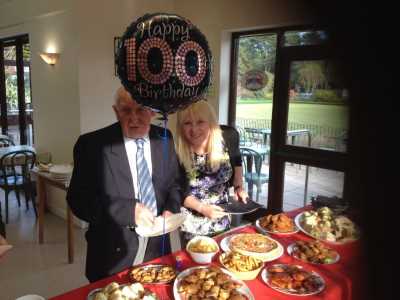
(291, 250)
(157, 267)
(236, 207)
(92, 293)
(244, 290)
(298, 221)
(315, 277)
(267, 232)
(226, 248)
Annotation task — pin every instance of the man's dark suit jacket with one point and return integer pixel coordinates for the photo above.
(101, 193)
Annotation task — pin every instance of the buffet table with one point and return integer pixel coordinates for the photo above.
(343, 279)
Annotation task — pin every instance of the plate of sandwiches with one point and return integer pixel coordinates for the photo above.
(325, 225)
(210, 282)
(116, 291)
(253, 244)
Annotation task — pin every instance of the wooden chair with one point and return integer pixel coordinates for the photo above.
(15, 176)
(252, 163)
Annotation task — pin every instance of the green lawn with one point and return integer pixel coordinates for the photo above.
(334, 116)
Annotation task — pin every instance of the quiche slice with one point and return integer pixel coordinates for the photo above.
(252, 242)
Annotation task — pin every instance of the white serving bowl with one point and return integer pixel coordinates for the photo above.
(202, 257)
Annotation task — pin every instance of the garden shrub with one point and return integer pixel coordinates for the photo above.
(325, 96)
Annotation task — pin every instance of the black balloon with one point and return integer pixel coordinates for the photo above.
(164, 61)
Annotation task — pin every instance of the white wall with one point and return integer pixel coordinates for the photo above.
(54, 89)
(98, 27)
(76, 95)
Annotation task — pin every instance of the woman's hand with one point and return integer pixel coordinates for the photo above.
(212, 211)
(167, 214)
(240, 194)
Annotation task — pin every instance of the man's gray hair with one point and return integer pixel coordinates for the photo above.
(119, 94)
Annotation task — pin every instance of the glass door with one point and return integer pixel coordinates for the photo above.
(15, 90)
(251, 106)
(27, 94)
(11, 86)
(309, 143)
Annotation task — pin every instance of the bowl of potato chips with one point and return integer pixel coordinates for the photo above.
(202, 249)
(242, 266)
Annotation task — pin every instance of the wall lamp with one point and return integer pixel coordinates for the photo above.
(50, 58)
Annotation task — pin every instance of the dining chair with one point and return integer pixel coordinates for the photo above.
(255, 136)
(15, 176)
(6, 141)
(2, 225)
(242, 135)
(252, 163)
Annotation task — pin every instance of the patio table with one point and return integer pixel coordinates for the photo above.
(343, 279)
(291, 134)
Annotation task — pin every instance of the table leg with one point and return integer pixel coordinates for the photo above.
(249, 170)
(175, 240)
(41, 192)
(70, 235)
(306, 186)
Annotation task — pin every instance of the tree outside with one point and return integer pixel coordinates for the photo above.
(318, 100)
(11, 76)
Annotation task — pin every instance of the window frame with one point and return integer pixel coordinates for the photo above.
(18, 42)
(280, 151)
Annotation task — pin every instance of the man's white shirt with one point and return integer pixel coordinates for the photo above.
(131, 149)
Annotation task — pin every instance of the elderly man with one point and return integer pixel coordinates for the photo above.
(124, 175)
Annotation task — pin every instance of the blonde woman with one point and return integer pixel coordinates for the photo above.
(210, 155)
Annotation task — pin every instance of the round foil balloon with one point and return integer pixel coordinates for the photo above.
(164, 61)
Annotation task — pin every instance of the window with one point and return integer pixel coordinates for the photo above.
(254, 83)
(318, 105)
(289, 103)
(15, 90)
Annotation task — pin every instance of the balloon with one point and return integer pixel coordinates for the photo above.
(164, 61)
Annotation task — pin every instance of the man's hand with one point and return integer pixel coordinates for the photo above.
(167, 213)
(240, 194)
(212, 211)
(143, 215)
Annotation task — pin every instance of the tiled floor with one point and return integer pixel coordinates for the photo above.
(320, 182)
(30, 268)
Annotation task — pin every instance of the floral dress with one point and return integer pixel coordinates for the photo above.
(209, 187)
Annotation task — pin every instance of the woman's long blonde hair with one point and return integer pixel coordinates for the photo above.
(215, 147)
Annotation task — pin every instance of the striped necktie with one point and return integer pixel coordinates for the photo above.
(146, 190)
